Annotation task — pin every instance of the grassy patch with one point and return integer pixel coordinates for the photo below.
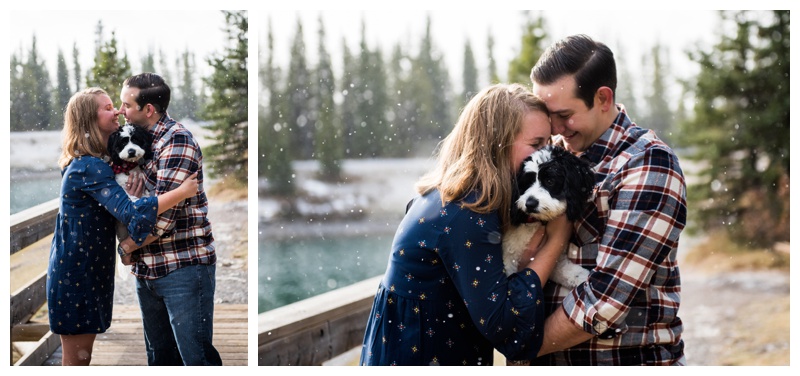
(763, 339)
(719, 253)
(228, 189)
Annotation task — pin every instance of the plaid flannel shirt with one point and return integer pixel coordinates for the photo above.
(629, 238)
(184, 231)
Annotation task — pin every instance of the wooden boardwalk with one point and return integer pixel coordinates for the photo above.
(123, 343)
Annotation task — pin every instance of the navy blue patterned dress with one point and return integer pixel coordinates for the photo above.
(445, 299)
(80, 275)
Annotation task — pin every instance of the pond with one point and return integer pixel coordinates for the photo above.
(293, 269)
(31, 189)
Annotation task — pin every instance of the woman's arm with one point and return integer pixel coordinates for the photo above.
(166, 201)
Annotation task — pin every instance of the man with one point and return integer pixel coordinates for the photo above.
(175, 269)
(626, 313)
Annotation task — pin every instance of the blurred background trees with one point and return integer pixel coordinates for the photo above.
(218, 103)
(738, 129)
(731, 120)
(226, 109)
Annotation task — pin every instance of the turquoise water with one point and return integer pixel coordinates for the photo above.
(291, 270)
(27, 191)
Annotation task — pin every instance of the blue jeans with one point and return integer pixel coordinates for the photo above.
(178, 317)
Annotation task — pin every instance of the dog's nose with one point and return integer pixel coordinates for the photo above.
(532, 204)
(131, 153)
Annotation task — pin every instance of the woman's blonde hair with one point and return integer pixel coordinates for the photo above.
(81, 135)
(476, 155)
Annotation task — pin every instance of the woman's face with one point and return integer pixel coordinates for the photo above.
(107, 116)
(534, 135)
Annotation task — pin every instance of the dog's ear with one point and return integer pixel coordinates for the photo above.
(148, 143)
(578, 183)
(521, 181)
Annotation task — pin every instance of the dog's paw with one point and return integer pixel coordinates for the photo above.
(568, 274)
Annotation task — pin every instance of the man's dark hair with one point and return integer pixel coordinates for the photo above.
(592, 64)
(152, 89)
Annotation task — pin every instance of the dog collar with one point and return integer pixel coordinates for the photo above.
(124, 168)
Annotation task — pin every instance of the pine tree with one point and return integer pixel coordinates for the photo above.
(164, 70)
(31, 99)
(149, 62)
(493, 77)
(402, 110)
(349, 105)
(624, 93)
(660, 118)
(531, 47)
(109, 70)
(184, 103)
(298, 93)
(328, 138)
(63, 91)
(227, 109)
(18, 104)
(76, 71)
(371, 128)
(740, 129)
(187, 85)
(470, 75)
(274, 140)
(177, 104)
(433, 90)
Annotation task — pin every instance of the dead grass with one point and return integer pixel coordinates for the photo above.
(719, 253)
(763, 339)
(227, 189)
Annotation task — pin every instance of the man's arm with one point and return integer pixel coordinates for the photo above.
(560, 333)
(178, 159)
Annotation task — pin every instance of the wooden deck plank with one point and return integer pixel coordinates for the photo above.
(123, 343)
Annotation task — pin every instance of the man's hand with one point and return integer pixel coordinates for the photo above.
(127, 259)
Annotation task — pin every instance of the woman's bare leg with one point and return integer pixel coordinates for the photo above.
(77, 349)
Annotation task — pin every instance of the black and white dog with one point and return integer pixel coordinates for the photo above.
(550, 182)
(127, 146)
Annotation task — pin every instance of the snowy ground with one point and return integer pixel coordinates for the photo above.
(39, 151)
(374, 188)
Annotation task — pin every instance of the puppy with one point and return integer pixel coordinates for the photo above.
(550, 182)
(127, 146)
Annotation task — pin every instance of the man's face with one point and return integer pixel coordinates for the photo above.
(579, 126)
(133, 113)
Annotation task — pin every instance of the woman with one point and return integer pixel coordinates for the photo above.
(80, 275)
(445, 299)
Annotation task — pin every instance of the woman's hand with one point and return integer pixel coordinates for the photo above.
(135, 185)
(558, 232)
(538, 239)
(189, 186)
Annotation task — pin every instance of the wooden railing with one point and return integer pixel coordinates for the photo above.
(28, 227)
(316, 329)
